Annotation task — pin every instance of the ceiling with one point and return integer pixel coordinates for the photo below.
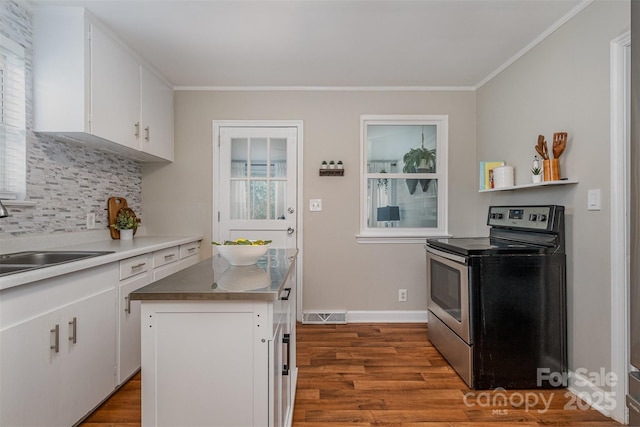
(328, 43)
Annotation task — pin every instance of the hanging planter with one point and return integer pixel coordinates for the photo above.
(419, 160)
(411, 185)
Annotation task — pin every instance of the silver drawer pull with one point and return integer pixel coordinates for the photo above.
(192, 249)
(142, 264)
(127, 308)
(74, 335)
(56, 339)
(169, 256)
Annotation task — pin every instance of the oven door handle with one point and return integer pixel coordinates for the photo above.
(446, 255)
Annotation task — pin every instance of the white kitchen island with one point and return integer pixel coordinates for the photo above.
(218, 344)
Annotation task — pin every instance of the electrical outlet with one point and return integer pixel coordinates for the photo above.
(402, 295)
(315, 205)
(91, 221)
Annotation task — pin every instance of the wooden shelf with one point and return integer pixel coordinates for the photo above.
(331, 172)
(532, 185)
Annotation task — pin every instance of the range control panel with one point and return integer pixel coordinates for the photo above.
(529, 217)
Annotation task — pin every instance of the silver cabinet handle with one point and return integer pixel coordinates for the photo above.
(290, 230)
(56, 339)
(191, 249)
(146, 137)
(137, 132)
(169, 256)
(74, 335)
(127, 308)
(286, 339)
(142, 264)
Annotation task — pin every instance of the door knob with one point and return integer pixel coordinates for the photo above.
(290, 230)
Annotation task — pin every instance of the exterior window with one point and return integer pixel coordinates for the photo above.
(12, 121)
(403, 178)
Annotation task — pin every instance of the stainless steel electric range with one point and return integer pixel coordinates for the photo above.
(497, 304)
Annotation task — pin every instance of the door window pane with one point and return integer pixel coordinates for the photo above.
(278, 199)
(259, 200)
(239, 157)
(238, 200)
(278, 157)
(258, 155)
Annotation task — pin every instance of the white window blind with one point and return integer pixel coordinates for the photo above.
(12, 121)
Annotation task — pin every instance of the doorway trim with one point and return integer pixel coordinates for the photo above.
(298, 124)
(620, 140)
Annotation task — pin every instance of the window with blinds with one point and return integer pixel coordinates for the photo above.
(12, 121)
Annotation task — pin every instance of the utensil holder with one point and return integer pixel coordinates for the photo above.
(551, 169)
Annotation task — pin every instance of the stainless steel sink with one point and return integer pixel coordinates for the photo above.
(23, 261)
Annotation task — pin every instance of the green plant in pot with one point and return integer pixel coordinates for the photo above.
(419, 160)
(126, 220)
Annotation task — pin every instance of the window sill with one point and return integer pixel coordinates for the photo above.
(395, 239)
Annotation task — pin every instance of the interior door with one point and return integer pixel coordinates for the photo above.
(257, 184)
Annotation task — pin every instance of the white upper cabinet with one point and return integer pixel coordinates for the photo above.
(90, 87)
(156, 125)
(115, 91)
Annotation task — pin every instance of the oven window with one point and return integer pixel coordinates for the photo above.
(445, 288)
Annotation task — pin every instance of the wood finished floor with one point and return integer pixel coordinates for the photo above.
(384, 375)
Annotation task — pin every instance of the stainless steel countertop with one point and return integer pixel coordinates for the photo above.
(215, 279)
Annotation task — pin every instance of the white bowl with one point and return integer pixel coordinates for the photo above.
(242, 254)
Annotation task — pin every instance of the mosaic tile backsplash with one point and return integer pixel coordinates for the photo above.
(65, 180)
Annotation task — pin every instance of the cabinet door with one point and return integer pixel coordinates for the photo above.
(129, 340)
(29, 373)
(115, 91)
(156, 115)
(89, 356)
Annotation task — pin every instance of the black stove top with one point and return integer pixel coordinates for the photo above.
(485, 246)
(537, 229)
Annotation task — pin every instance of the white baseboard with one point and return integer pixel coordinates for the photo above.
(399, 316)
(596, 397)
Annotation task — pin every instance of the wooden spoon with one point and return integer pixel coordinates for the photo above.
(540, 148)
(559, 143)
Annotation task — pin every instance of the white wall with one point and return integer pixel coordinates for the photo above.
(563, 85)
(338, 272)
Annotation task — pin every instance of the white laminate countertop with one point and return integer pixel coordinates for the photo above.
(121, 249)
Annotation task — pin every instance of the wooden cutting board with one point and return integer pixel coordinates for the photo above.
(114, 204)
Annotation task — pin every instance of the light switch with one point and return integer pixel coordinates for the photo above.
(315, 205)
(594, 201)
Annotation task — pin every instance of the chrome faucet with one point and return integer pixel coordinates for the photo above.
(3, 211)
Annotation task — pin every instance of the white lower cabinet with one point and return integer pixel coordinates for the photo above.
(134, 274)
(57, 348)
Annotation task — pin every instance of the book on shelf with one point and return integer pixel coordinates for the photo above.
(486, 172)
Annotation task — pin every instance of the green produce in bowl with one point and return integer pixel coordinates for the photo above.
(242, 242)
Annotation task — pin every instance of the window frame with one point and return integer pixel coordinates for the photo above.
(396, 234)
(19, 189)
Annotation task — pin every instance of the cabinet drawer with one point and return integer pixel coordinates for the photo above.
(189, 249)
(133, 266)
(166, 256)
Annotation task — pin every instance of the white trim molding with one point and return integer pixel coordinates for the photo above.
(584, 388)
(398, 316)
(620, 140)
